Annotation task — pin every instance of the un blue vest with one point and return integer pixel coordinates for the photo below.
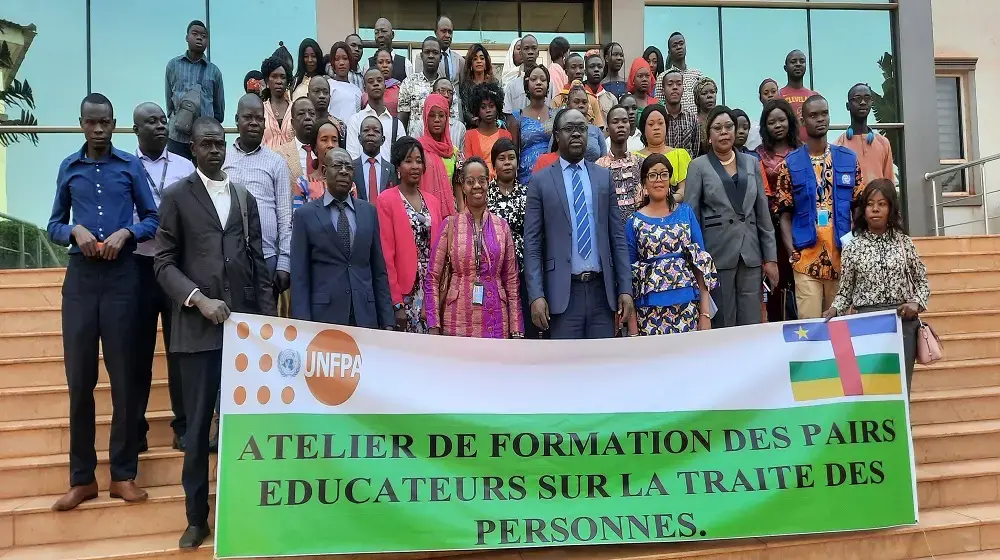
(800, 167)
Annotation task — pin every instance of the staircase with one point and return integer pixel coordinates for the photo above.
(955, 413)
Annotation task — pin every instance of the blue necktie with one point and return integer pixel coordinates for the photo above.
(583, 244)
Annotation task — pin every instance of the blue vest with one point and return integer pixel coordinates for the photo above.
(800, 167)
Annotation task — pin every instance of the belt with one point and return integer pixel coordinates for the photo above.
(585, 276)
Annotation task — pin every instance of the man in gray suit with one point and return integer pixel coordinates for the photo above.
(575, 256)
(338, 272)
(372, 173)
(210, 261)
(735, 222)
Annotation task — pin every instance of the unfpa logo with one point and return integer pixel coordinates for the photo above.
(333, 367)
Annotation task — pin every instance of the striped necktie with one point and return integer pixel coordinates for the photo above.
(583, 237)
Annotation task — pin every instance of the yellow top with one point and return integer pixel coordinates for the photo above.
(679, 159)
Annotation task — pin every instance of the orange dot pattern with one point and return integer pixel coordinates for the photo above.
(263, 395)
(265, 364)
(287, 395)
(240, 396)
(242, 362)
(243, 330)
(267, 331)
(291, 333)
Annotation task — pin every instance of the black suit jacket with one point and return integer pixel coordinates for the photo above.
(195, 251)
(326, 282)
(361, 176)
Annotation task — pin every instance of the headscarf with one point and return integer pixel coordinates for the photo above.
(637, 65)
(510, 70)
(702, 84)
(435, 180)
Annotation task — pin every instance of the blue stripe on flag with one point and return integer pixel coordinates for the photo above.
(861, 326)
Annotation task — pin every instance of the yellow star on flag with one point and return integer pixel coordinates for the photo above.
(803, 333)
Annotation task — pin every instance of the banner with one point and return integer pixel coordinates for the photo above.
(344, 440)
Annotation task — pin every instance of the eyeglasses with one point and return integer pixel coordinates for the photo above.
(571, 128)
(473, 181)
(728, 127)
(661, 176)
(349, 167)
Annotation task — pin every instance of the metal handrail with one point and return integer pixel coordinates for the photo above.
(932, 177)
(23, 251)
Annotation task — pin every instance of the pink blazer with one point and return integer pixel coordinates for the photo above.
(398, 245)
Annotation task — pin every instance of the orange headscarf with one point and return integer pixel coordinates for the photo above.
(639, 64)
(435, 180)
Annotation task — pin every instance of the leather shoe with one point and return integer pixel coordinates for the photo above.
(178, 442)
(193, 536)
(127, 490)
(76, 496)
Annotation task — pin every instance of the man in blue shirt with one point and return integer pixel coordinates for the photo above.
(194, 89)
(100, 186)
(576, 260)
(162, 169)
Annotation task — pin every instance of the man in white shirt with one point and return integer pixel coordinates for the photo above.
(209, 263)
(162, 169)
(515, 98)
(391, 127)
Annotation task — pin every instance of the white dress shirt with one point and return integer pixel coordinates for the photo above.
(218, 191)
(160, 174)
(354, 131)
(345, 99)
(303, 155)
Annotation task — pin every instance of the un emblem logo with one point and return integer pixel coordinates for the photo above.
(289, 363)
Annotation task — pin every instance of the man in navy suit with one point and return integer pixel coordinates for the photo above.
(338, 272)
(575, 256)
(372, 172)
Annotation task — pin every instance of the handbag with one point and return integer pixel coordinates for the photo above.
(929, 348)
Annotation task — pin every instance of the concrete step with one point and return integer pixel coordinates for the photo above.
(49, 474)
(32, 276)
(957, 374)
(956, 441)
(960, 322)
(25, 438)
(955, 405)
(965, 299)
(52, 401)
(34, 522)
(957, 243)
(958, 279)
(38, 372)
(947, 261)
(31, 295)
(38, 345)
(30, 319)
(971, 346)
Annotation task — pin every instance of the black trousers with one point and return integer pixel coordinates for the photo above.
(201, 373)
(99, 308)
(154, 304)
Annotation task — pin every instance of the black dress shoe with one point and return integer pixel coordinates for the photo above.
(178, 442)
(193, 536)
(213, 445)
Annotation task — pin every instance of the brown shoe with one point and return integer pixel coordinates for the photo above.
(76, 496)
(127, 490)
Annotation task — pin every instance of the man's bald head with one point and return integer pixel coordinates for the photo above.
(150, 127)
(249, 101)
(383, 33)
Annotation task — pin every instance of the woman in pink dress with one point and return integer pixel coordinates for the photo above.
(471, 288)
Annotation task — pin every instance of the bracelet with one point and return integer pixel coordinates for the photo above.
(706, 315)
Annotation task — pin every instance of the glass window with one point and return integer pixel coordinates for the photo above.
(133, 75)
(548, 20)
(951, 131)
(55, 66)
(840, 61)
(240, 38)
(412, 20)
(700, 27)
(481, 21)
(745, 68)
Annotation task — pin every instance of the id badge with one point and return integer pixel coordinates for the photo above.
(823, 218)
(477, 294)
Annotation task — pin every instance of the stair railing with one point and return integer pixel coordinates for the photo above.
(39, 255)
(983, 196)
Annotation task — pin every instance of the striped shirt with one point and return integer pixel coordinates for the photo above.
(182, 73)
(265, 175)
(683, 131)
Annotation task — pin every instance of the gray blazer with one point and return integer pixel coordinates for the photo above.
(326, 283)
(734, 218)
(548, 235)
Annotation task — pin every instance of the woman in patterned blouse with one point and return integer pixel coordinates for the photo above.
(880, 268)
(624, 165)
(672, 274)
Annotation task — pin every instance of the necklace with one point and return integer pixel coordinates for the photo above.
(731, 159)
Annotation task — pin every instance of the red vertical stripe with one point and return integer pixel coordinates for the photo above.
(847, 362)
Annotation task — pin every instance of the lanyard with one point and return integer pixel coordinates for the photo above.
(163, 177)
(477, 243)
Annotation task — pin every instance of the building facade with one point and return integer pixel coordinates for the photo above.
(120, 48)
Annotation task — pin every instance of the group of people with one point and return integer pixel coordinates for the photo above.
(566, 201)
